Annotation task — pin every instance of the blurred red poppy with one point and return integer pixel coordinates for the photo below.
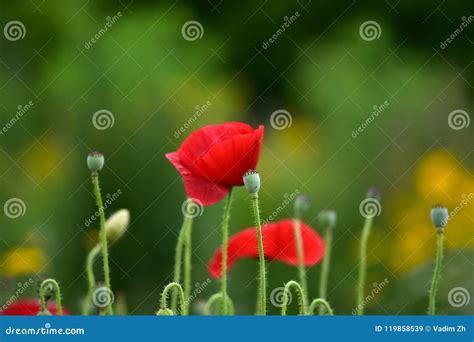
(278, 243)
(29, 307)
(214, 158)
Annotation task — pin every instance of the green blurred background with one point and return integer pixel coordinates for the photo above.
(153, 80)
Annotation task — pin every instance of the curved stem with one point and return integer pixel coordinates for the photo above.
(300, 253)
(57, 295)
(178, 259)
(94, 252)
(225, 233)
(103, 237)
(324, 305)
(437, 272)
(187, 261)
(323, 284)
(164, 297)
(261, 255)
(363, 264)
(214, 299)
(301, 294)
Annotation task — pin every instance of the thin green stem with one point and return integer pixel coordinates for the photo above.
(215, 298)
(103, 237)
(323, 283)
(324, 305)
(437, 272)
(178, 259)
(225, 234)
(164, 297)
(300, 253)
(187, 261)
(363, 264)
(94, 252)
(301, 295)
(261, 255)
(57, 295)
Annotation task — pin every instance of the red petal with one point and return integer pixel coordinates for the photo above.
(201, 140)
(226, 162)
(279, 244)
(198, 188)
(29, 307)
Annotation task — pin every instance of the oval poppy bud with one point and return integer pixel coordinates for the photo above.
(327, 218)
(116, 225)
(301, 204)
(165, 312)
(439, 216)
(252, 181)
(95, 161)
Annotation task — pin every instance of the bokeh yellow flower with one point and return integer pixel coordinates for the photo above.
(21, 261)
(439, 178)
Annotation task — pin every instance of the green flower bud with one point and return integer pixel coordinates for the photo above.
(439, 216)
(252, 181)
(165, 312)
(116, 225)
(374, 192)
(327, 218)
(44, 313)
(95, 161)
(301, 204)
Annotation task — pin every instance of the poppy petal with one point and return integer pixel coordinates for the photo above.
(279, 244)
(198, 188)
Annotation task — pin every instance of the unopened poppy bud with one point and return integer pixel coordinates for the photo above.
(439, 216)
(374, 192)
(116, 225)
(252, 181)
(44, 313)
(327, 218)
(165, 312)
(301, 204)
(95, 161)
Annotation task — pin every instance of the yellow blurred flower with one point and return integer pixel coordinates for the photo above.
(439, 178)
(22, 261)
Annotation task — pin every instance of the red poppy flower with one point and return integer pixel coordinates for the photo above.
(29, 307)
(214, 158)
(278, 244)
